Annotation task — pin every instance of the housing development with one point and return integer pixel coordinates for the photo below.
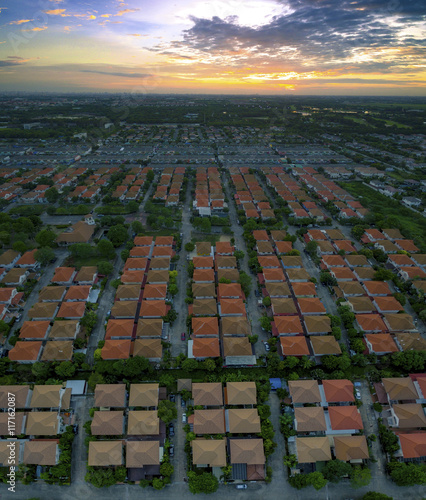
(212, 295)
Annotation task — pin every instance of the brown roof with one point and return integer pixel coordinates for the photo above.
(209, 421)
(40, 452)
(105, 453)
(19, 391)
(345, 417)
(5, 451)
(377, 288)
(145, 395)
(124, 309)
(63, 274)
(298, 274)
(410, 415)
(116, 349)
(356, 260)
(294, 346)
(304, 391)
(351, 288)
(210, 452)
(203, 247)
(34, 329)
(143, 240)
(229, 290)
(148, 348)
(237, 346)
(19, 423)
(288, 324)
(234, 325)
(229, 274)
(153, 308)
(207, 394)
(317, 324)
(283, 305)
(202, 307)
(51, 293)
(205, 326)
(309, 419)
(246, 451)
(155, 291)
(64, 329)
(381, 342)
(160, 263)
(110, 395)
(78, 292)
(49, 396)
(310, 305)
(119, 328)
(278, 289)
(204, 290)
(361, 304)
(223, 247)
(57, 350)
(240, 393)
(135, 263)
(107, 423)
(141, 453)
(370, 322)
(149, 327)
(203, 262)
(388, 304)
(13, 276)
(28, 350)
(400, 388)
(72, 310)
(86, 273)
(203, 275)
(313, 449)
(337, 391)
(243, 421)
(81, 233)
(43, 310)
(232, 306)
(304, 288)
(129, 292)
(411, 341)
(413, 445)
(325, 344)
(42, 423)
(347, 448)
(206, 348)
(399, 322)
(143, 423)
(132, 277)
(8, 257)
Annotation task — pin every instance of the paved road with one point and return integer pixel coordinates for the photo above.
(179, 303)
(45, 278)
(179, 460)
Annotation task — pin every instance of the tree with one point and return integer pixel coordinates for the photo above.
(137, 226)
(117, 235)
(19, 246)
(150, 175)
(202, 483)
(266, 301)
(167, 411)
(290, 460)
(239, 254)
(407, 474)
(190, 246)
(40, 370)
(89, 320)
(173, 289)
(360, 477)
(245, 282)
(166, 469)
(65, 370)
(106, 249)
(135, 366)
(373, 495)
(94, 379)
(51, 195)
(45, 238)
(265, 323)
(383, 275)
(44, 255)
(105, 268)
(317, 480)
(189, 365)
(158, 483)
(311, 247)
(82, 250)
(334, 470)
(100, 477)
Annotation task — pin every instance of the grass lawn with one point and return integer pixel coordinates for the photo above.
(161, 232)
(212, 238)
(78, 262)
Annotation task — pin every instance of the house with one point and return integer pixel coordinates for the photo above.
(306, 289)
(144, 395)
(304, 391)
(41, 453)
(57, 350)
(143, 423)
(235, 326)
(22, 395)
(312, 449)
(240, 393)
(232, 307)
(249, 455)
(345, 418)
(119, 329)
(110, 395)
(361, 304)
(42, 423)
(71, 310)
(107, 423)
(43, 311)
(155, 291)
(283, 306)
(399, 322)
(52, 294)
(209, 421)
(202, 348)
(203, 307)
(78, 293)
(294, 346)
(15, 277)
(370, 323)
(309, 420)
(148, 348)
(400, 389)
(377, 288)
(64, 330)
(317, 324)
(80, 232)
(407, 416)
(64, 275)
(26, 351)
(325, 345)
(310, 306)
(242, 421)
(124, 309)
(387, 305)
(351, 449)
(338, 391)
(205, 327)
(87, 275)
(9, 258)
(116, 349)
(278, 289)
(380, 343)
(238, 351)
(287, 325)
(208, 452)
(28, 260)
(51, 397)
(129, 292)
(149, 327)
(143, 458)
(105, 454)
(34, 330)
(412, 446)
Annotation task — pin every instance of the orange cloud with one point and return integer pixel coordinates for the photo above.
(37, 29)
(106, 15)
(92, 17)
(22, 21)
(54, 12)
(126, 11)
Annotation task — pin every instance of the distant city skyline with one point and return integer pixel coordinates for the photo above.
(274, 47)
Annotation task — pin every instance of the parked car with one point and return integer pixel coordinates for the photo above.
(171, 451)
(267, 346)
(184, 418)
(357, 394)
(182, 336)
(182, 402)
(171, 430)
(241, 486)
(172, 398)
(75, 429)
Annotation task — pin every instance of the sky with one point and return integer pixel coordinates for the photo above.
(274, 47)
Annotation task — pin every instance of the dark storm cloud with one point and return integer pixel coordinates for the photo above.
(317, 29)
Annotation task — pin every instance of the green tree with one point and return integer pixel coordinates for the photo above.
(65, 370)
(40, 370)
(266, 301)
(135, 366)
(373, 495)
(45, 238)
(105, 268)
(106, 249)
(51, 195)
(82, 250)
(190, 246)
(202, 483)
(117, 235)
(158, 483)
(360, 477)
(166, 469)
(89, 320)
(265, 323)
(94, 379)
(137, 227)
(317, 480)
(190, 365)
(19, 246)
(167, 411)
(334, 470)
(407, 474)
(44, 255)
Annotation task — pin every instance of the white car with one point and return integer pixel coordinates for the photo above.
(184, 418)
(357, 394)
(267, 346)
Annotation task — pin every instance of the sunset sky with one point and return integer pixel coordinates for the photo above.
(334, 47)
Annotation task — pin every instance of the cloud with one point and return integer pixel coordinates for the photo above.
(22, 21)
(4, 41)
(106, 15)
(37, 28)
(137, 35)
(126, 11)
(54, 12)
(92, 17)
(13, 61)
(125, 75)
